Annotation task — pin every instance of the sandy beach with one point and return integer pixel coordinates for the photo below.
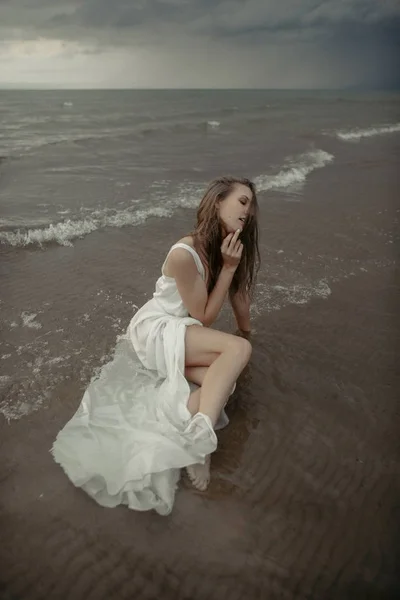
(304, 492)
(303, 502)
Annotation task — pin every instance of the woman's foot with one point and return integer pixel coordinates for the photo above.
(199, 474)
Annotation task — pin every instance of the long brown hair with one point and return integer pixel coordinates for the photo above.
(207, 235)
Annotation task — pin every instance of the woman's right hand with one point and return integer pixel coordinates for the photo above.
(231, 250)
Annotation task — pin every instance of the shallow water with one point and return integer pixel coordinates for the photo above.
(303, 497)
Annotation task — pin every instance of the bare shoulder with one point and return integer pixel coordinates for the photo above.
(188, 240)
(181, 253)
(179, 259)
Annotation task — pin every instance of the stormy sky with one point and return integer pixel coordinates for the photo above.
(199, 43)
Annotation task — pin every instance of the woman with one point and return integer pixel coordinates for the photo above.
(137, 427)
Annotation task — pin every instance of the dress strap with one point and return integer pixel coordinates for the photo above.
(193, 252)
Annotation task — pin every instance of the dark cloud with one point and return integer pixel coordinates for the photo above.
(228, 15)
(209, 16)
(355, 37)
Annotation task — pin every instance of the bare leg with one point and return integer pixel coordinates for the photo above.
(196, 375)
(233, 353)
(194, 402)
(198, 473)
(239, 355)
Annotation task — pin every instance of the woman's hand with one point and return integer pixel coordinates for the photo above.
(241, 308)
(231, 250)
(244, 334)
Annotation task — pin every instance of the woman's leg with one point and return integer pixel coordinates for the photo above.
(231, 354)
(196, 375)
(208, 347)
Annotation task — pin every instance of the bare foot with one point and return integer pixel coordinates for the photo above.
(199, 474)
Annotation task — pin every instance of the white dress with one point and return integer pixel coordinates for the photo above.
(132, 432)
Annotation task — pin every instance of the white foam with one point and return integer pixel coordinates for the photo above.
(20, 408)
(28, 320)
(126, 217)
(276, 297)
(354, 135)
(295, 171)
(28, 143)
(188, 195)
(213, 124)
(62, 233)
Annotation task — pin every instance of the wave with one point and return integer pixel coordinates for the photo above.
(62, 233)
(188, 123)
(295, 171)
(187, 196)
(354, 135)
(21, 146)
(26, 145)
(199, 126)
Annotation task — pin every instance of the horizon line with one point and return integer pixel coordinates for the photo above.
(165, 89)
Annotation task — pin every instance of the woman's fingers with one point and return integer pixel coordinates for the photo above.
(235, 245)
(234, 239)
(232, 248)
(226, 241)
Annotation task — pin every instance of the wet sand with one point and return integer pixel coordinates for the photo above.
(304, 497)
(303, 503)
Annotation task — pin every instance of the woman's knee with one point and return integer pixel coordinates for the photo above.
(203, 346)
(241, 348)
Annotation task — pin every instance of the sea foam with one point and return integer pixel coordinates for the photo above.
(295, 171)
(64, 232)
(355, 135)
(188, 195)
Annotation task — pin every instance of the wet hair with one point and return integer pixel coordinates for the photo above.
(208, 237)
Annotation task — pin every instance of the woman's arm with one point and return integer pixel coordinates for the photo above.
(241, 308)
(191, 286)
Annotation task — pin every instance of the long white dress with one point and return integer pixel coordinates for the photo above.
(133, 432)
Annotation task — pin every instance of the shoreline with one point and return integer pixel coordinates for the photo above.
(303, 490)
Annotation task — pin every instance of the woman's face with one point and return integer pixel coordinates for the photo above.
(234, 209)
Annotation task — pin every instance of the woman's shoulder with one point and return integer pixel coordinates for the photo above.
(188, 240)
(179, 257)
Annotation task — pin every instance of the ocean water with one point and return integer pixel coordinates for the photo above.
(96, 185)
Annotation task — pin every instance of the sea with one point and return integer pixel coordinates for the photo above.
(95, 186)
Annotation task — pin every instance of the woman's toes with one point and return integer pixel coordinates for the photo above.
(199, 474)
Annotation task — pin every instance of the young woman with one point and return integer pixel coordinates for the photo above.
(137, 427)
